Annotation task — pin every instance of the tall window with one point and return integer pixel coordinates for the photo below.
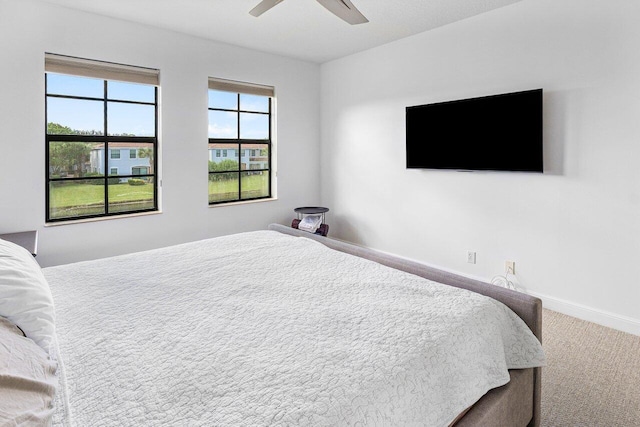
(94, 110)
(240, 122)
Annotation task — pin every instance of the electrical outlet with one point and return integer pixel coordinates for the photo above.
(471, 257)
(510, 267)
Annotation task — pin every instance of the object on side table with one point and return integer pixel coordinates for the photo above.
(26, 239)
(311, 219)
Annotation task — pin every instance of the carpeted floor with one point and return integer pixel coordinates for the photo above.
(592, 377)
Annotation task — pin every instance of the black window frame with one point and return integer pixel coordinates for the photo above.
(239, 142)
(105, 139)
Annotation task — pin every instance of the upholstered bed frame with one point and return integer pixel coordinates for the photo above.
(515, 404)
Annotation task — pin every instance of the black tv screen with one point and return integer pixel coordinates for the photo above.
(496, 133)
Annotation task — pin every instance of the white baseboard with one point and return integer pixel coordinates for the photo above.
(601, 317)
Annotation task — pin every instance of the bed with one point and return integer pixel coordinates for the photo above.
(281, 327)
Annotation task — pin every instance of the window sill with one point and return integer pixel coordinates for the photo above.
(243, 202)
(102, 218)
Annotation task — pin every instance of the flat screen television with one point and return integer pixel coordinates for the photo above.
(492, 133)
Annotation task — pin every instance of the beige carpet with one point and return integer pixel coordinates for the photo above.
(592, 377)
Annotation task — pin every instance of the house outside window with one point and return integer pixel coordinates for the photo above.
(94, 110)
(240, 124)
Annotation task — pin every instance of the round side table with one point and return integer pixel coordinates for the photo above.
(323, 230)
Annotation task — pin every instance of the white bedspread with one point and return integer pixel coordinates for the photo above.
(262, 329)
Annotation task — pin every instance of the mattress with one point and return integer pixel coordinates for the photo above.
(263, 329)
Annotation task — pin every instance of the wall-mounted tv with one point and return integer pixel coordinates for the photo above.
(493, 133)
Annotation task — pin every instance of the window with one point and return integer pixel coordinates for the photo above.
(240, 123)
(94, 110)
(140, 170)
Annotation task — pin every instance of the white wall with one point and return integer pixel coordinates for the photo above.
(28, 29)
(574, 231)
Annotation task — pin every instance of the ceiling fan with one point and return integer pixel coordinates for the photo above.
(343, 9)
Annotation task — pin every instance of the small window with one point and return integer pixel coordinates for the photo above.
(217, 153)
(113, 171)
(139, 170)
(115, 154)
(132, 154)
(240, 116)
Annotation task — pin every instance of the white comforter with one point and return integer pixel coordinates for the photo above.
(262, 329)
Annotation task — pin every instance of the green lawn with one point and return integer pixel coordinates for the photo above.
(227, 189)
(80, 199)
(85, 194)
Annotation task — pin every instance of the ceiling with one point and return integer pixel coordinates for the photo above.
(300, 29)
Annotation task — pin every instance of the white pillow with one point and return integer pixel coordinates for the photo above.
(27, 380)
(25, 297)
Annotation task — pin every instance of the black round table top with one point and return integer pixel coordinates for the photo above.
(311, 210)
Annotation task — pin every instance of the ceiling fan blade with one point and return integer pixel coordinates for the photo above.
(263, 6)
(344, 10)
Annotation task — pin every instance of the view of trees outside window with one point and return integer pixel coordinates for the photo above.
(101, 142)
(239, 146)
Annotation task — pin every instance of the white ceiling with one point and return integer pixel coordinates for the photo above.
(296, 28)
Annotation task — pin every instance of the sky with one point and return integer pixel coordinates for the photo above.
(88, 114)
(123, 118)
(223, 124)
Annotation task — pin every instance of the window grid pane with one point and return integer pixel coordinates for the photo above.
(126, 119)
(130, 92)
(69, 159)
(254, 103)
(223, 157)
(62, 84)
(223, 124)
(68, 116)
(77, 198)
(223, 187)
(223, 100)
(131, 194)
(254, 126)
